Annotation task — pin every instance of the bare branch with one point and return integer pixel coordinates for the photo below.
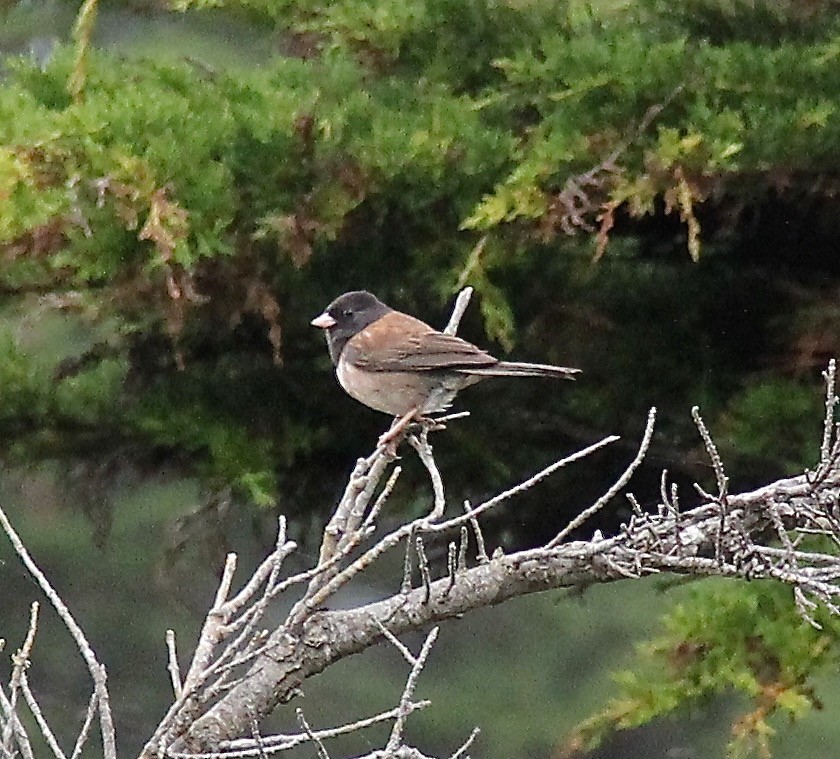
(711, 449)
(462, 752)
(829, 431)
(81, 739)
(481, 550)
(96, 670)
(461, 303)
(424, 452)
(219, 699)
(617, 487)
(322, 751)
(405, 710)
(11, 721)
(307, 609)
(172, 666)
(43, 725)
(667, 540)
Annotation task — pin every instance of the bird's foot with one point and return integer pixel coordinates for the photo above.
(428, 423)
(413, 419)
(391, 439)
(438, 423)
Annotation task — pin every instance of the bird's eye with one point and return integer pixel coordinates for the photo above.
(347, 313)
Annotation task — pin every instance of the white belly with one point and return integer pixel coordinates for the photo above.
(398, 393)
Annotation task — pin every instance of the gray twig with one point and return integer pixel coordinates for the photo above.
(616, 488)
(423, 564)
(322, 750)
(172, 663)
(424, 451)
(95, 669)
(405, 710)
(463, 545)
(451, 566)
(43, 725)
(480, 550)
(826, 446)
(462, 752)
(461, 303)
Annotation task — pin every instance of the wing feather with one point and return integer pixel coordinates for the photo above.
(415, 347)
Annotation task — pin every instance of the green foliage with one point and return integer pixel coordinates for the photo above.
(722, 115)
(178, 153)
(773, 423)
(762, 21)
(728, 637)
(26, 391)
(234, 457)
(192, 218)
(38, 403)
(449, 41)
(155, 170)
(451, 142)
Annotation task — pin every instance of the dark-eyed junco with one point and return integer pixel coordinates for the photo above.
(397, 364)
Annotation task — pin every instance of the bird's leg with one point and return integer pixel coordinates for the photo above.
(397, 428)
(430, 423)
(437, 423)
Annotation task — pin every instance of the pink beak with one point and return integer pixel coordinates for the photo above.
(324, 321)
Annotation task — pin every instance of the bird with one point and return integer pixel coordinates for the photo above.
(399, 365)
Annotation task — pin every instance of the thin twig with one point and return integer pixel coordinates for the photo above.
(616, 488)
(172, 666)
(95, 669)
(712, 451)
(20, 661)
(395, 738)
(720, 477)
(480, 550)
(463, 545)
(830, 376)
(451, 566)
(423, 564)
(12, 720)
(396, 642)
(383, 496)
(269, 567)
(210, 633)
(405, 587)
(322, 751)
(462, 752)
(82, 737)
(461, 303)
(522, 486)
(424, 451)
(43, 725)
(270, 744)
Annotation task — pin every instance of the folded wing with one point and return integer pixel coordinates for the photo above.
(414, 347)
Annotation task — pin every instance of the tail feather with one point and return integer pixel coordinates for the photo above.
(521, 369)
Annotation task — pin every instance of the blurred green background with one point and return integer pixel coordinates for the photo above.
(170, 223)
